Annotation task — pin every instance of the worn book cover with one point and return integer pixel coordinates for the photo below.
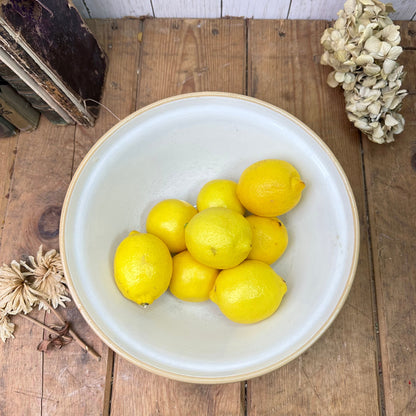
(6, 129)
(30, 95)
(48, 45)
(16, 110)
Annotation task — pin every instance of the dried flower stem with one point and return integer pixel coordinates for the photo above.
(36, 322)
(83, 345)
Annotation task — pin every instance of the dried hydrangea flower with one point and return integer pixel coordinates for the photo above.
(16, 293)
(6, 327)
(48, 278)
(363, 48)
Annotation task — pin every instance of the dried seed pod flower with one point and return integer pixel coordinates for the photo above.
(48, 278)
(363, 48)
(16, 292)
(37, 282)
(23, 286)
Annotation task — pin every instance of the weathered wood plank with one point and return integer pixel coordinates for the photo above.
(391, 183)
(8, 149)
(32, 218)
(137, 392)
(338, 374)
(181, 56)
(408, 34)
(73, 380)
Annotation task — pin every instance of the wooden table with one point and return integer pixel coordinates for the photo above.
(365, 364)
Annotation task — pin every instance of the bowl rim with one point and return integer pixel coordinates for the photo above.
(219, 379)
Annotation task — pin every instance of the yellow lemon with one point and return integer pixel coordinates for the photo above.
(270, 238)
(248, 293)
(191, 280)
(219, 193)
(142, 267)
(168, 219)
(270, 187)
(218, 237)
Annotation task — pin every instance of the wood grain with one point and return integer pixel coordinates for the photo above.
(74, 380)
(181, 56)
(408, 34)
(137, 392)
(8, 150)
(339, 371)
(32, 218)
(391, 184)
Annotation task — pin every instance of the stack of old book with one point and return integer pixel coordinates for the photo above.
(50, 64)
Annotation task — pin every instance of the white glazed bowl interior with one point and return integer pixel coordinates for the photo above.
(169, 150)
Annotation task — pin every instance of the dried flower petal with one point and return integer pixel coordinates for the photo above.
(389, 65)
(364, 59)
(390, 121)
(16, 293)
(372, 69)
(394, 52)
(48, 278)
(6, 327)
(332, 82)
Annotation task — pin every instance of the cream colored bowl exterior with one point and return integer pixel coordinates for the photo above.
(169, 149)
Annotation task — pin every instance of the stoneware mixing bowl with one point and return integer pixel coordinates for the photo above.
(169, 150)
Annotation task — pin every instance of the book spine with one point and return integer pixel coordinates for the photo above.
(74, 106)
(6, 128)
(17, 110)
(10, 62)
(25, 91)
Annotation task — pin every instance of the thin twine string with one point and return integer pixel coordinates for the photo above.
(102, 105)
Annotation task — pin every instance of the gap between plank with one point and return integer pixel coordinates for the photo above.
(379, 364)
(109, 379)
(246, 37)
(42, 373)
(139, 61)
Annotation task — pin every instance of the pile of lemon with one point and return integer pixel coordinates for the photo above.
(219, 252)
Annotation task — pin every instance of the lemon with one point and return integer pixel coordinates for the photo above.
(142, 267)
(219, 193)
(270, 238)
(168, 219)
(191, 281)
(248, 293)
(218, 237)
(270, 187)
